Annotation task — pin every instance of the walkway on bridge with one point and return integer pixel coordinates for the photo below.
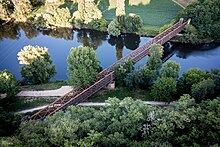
(106, 76)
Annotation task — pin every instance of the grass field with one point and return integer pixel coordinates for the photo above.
(120, 93)
(154, 15)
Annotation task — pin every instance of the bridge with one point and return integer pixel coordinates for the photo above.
(106, 76)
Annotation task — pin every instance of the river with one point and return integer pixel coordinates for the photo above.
(109, 49)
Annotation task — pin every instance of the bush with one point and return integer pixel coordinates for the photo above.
(83, 66)
(8, 83)
(114, 28)
(133, 22)
(99, 24)
(163, 28)
(38, 67)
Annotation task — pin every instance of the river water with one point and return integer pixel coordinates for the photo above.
(109, 49)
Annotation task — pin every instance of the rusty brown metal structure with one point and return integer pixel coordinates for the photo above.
(106, 76)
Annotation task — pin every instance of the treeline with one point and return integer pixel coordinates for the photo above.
(126, 123)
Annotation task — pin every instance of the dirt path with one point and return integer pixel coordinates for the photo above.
(58, 92)
(93, 104)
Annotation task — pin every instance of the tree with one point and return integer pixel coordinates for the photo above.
(164, 89)
(122, 69)
(203, 90)
(170, 69)
(192, 76)
(83, 66)
(133, 22)
(38, 67)
(203, 14)
(154, 61)
(8, 83)
(114, 28)
(215, 75)
(21, 9)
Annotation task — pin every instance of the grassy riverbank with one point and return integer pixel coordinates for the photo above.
(154, 13)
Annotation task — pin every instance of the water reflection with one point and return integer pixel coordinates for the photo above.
(109, 49)
(65, 33)
(91, 38)
(129, 41)
(10, 31)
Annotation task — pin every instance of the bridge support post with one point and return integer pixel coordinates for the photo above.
(111, 86)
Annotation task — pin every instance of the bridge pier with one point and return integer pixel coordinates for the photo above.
(110, 86)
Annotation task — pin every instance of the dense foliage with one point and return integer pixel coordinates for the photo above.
(8, 122)
(37, 67)
(127, 123)
(8, 83)
(170, 69)
(83, 66)
(205, 15)
(164, 89)
(192, 76)
(114, 28)
(133, 23)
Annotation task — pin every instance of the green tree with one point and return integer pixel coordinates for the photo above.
(203, 90)
(190, 35)
(133, 22)
(8, 83)
(83, 66)
(215, 75)
(154, 61)
(122, 69)
(114, 28)
(192, 76)
(164, 89)
(170, 69)
(203, 15)
(38, 67)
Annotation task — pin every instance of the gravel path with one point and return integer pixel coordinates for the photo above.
(58, 92)
(94, 104)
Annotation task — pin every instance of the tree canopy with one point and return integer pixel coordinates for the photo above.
(83, 66)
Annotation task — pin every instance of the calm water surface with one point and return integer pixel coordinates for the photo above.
(109, 49)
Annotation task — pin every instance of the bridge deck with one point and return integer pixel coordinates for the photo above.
(106, 76)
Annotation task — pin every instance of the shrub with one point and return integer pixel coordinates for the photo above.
(38, 67)
(163, 28)
(8, 83)
(114, 28)
(83, 66)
